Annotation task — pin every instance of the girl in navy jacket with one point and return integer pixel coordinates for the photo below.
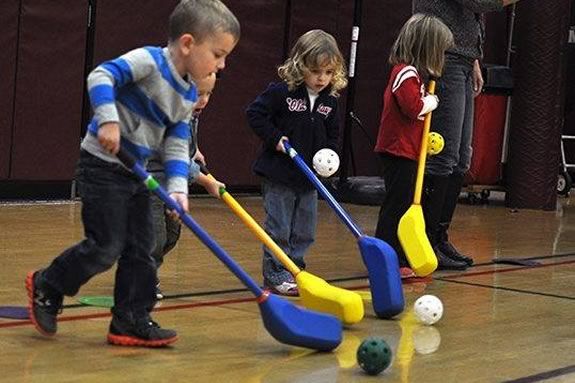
(302, 109)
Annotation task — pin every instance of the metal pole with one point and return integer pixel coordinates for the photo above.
(346, 145)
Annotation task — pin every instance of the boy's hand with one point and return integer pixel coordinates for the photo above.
(211, 184)
(109, 136)
(199, 157)
(213, 187)
(280, 144)
(182, 200)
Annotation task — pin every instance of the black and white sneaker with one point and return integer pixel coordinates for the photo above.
(43, 306)
(159, 294)
(144, 332)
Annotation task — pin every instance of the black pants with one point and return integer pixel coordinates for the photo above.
(399, 175)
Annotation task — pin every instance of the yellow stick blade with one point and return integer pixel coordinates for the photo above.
(315, 292)
(414, 241)
(319, 295)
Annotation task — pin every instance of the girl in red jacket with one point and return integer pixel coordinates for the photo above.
(418, 53)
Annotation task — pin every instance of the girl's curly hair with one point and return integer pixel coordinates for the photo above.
(314, 49)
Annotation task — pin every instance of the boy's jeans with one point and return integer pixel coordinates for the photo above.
(118, 227)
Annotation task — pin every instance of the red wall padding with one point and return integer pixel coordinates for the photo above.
(489, 124)
(48, 98)
(9, 11)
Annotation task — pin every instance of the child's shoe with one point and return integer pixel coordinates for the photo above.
(159, 293)
(406, 272)
(144, 332)
(288, 289)
(43, 306)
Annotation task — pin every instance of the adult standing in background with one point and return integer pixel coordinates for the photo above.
(453, 119)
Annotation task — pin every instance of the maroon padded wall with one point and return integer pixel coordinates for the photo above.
(537, 104)
(49, 83)
(229, 145)
(569, 110)
(381, 23)
(9, 11)
(496, 36)
(128, 24)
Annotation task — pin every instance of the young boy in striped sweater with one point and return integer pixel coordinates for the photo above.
(142, 101)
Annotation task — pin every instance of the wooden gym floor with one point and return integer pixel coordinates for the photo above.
(502, 322)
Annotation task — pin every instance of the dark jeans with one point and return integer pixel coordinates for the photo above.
(118, 227)
(399, 176)
(291, 218)
(453, 118)
(166, 230)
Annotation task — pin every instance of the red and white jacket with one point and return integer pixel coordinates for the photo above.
(404, 107)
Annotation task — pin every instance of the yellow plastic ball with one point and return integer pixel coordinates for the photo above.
(435, 143)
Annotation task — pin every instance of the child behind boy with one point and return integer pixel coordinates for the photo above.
(302, 109)
(418, 52)
(144, 101)
(167, 229)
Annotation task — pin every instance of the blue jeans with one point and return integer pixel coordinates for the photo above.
(291, 218)
(118, 227)
(453, 118)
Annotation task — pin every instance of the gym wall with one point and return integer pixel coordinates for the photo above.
(49, 47)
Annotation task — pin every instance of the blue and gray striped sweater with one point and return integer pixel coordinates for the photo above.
(143, 92)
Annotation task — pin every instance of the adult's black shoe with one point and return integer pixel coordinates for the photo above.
(448, 249)
(446, 263)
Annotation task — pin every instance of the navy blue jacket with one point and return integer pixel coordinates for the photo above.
(278, 112)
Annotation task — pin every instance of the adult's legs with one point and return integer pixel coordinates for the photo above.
(453, 120)
(456, 178)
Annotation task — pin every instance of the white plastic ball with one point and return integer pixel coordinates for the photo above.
(426, 339)
(428, 309)
(326, 162)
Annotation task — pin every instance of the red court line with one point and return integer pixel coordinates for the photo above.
(108, 314)
(497, 271)
(243, 300)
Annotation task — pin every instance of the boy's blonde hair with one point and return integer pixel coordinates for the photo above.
(422, 42)
(314, 49)
(202, 18)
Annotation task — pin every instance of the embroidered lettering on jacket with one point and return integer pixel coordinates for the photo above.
(323, 109)
(296, 104)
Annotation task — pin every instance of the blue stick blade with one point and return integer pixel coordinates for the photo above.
(296, 326)
(384, 279)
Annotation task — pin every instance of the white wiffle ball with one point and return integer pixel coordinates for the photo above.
(325, 162)
(428, 309)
